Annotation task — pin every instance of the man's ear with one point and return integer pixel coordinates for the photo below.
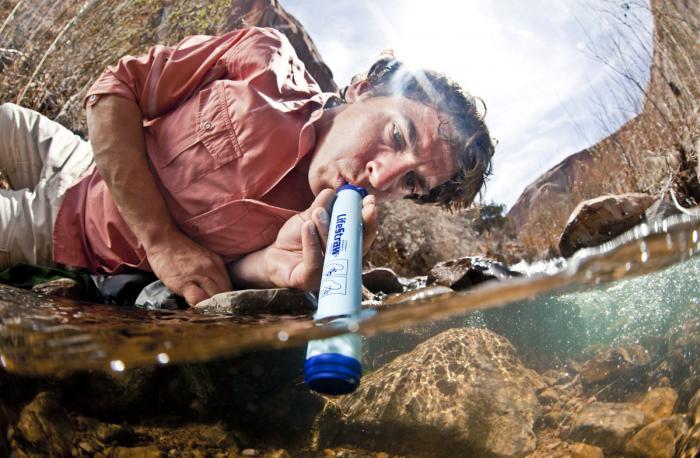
(355, 90)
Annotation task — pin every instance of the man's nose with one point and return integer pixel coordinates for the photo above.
(385, 174)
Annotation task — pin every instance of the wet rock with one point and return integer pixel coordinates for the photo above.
(686, 392)
(548, 397)
(150, 451)
(581, 450)
(623, 366)
(418, 294)
(468, 271)
(658, 439)
(276, 301)
(601, 219)
(694, 407)
(462, 391)
(661, 209)
(658, 403)
(45, 425)
(554, 419)
(689, 446)
(63, 287)
(608, 425)
(280, 453)
(381, 280)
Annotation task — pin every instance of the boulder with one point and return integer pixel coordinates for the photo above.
(658, 439)
(598, 220)
(462, 391)
(467, 271)
(581, 450)
(658, 403)
(275, 301)
(608, 425)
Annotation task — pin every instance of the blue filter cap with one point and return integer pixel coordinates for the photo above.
(359, 189)
(332, 373)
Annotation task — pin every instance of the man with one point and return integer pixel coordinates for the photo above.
(224, 150)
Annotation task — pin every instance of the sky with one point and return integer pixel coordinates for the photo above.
(556, 76)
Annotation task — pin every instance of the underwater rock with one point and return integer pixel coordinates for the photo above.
(276, 301)
(460, 391)
(468, 271)
(658, 439)
(581, 450)
(381, 280)
(45, 425)
(609, 425)
(689, 446)
(149, 451)
(694, 407)
(624, 366)
(598, 220)
(687, 391)
(658, 403)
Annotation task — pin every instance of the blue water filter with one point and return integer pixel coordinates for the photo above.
(333, 365)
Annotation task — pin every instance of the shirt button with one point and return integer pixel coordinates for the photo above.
(208, 126)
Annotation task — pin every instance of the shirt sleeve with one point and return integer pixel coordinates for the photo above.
(166, 76)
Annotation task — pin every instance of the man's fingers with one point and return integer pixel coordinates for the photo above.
(220, 275)
(209, 286)
(369, 222)
(312, 256)
(321, 218)
(193, 294)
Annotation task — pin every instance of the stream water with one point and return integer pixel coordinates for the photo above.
(604, 286)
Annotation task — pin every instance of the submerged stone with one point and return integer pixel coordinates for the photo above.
(658, 439)
(44, 424)
(689, 446)
(608, 425)
(658, 403)
(464, 390)
(581, 450)
(623, 366)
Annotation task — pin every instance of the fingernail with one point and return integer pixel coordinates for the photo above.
(323, 216)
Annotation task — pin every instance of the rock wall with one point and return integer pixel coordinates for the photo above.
(660, 143)
(52, 50)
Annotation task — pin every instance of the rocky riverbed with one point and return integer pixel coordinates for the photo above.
(435, 389)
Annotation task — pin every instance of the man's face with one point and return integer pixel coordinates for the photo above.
(388, 144)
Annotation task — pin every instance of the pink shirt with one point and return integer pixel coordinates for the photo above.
(226, 120)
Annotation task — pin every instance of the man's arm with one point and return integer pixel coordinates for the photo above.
(116, 135)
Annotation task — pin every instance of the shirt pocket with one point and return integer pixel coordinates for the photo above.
(194, 140)
(238, 227)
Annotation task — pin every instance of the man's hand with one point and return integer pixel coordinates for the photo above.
(295, 259)
(187, 268)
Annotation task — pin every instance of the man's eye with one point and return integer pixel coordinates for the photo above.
(411, 183)
(397, 137)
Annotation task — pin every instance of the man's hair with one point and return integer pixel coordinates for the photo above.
(461, 125)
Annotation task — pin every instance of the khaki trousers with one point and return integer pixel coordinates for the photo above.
(42, 159)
